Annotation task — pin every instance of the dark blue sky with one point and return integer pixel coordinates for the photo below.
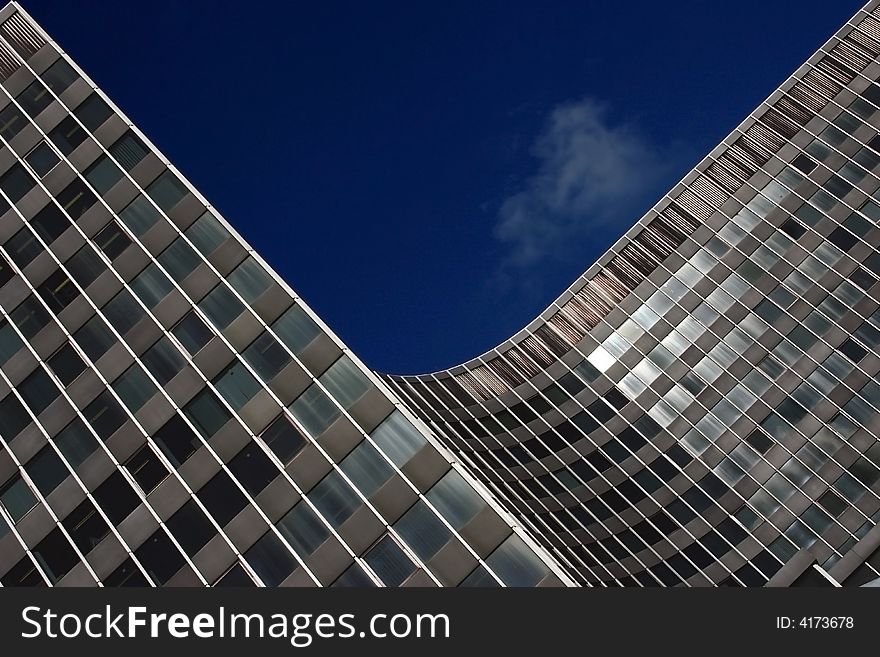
(429, 176)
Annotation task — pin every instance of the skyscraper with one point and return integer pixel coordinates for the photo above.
(699, 408)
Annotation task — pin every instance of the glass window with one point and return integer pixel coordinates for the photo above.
(296, 329)
(390, 563)
(103, 174)
(207, 413)
(59, 76)
(105, 415)
(86, 526)
(159, 557)
(193, 333)
(85, 266)
(10, 343)
(127, 574)
(23, 247)
(455, 499)
(17, 498)
(271, 560)
(58, 291)
(516, 564)
(353, 577)
(250, 280)
(38, 390)
(123, 312)
(134, 388)
(237, 385)
(223, 499)
(252, 468)
(147, 469)
(207, 233)
(345, 381)
(42, 159)
(284, 439)
(75, 442)
(266, 356)
(191, 528)
(13, 417)
(179, 259)
(55, 555)
(163, 360)
(176, 440)
(140, 215)
(221, 306)
(335, 499)
(166, 190)
(151, 286)
(93, 111)
(76, 198)
(6, 271)
(35, 98)
(366, 468)
(303, 529)
(398, 438)
(423, 531)
(94, 338)
(116, 497)
(66, 136)
(112, 240)
(30, 317)
(46, 470)
(16, 182)
(314, 410)
(12, 121)
(50, 223)
(128, 150)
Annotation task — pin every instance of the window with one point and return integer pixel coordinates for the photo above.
(221, 306)
(207, 413)
(10, 343)
(222, 498)
(366, 468)
(423, 531)
(35, 98)
(50, 223)
(159, 557)
(66, 364)
(116, 497)
(179, 259)
(76, 198)
(86, 526)
(42, 159)
(140, 215)
(6, 272)
(296, 329)
(191, 527)
(163, 360)
(103, 174)
(271, 560)
(128, 150)
(123, 312)
(398, 438)
(38, 391)
(46, 470)
(134, 388)
(207, 233)
(30, 317)
(16, 182)
(303, 529)
(24, 573)
(314, 410)
(455, 499)
(235, 576)
(105, 415)
(59, 76)
(250, 280)
(58, 291)
(176, 440)
(335, 499)
(94, 338)
(166, 190)
(146, 468)
(253, 468)
(55, 555)
(193, 333)
(11, 121)
(515, 563)
(345, 381)
(17, 498)
(353, 577)
(237, 385)
(85, 266)
(75, 442)
(67, 135)
(151, 286)
(284, 439)
(266, 356)
(390, 563)
(23, 247)
(93, 111)
(112, 240)
(127, 574)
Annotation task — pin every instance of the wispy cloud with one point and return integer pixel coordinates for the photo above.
(593, 174)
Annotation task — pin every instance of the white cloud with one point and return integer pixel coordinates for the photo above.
(592, 173)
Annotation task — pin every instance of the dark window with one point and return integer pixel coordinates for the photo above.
(76, 198)
(59, 76)
(16, 182)
(95, 338)
(853, 350)
(193, 333)
(303, 529)
(16, 497)
(389, 562)
(159, 557)
(38, 390)
(235, 576)
(222, 498)
(134, 388)
(179, 259)
(116, 497)
(127, 574)
(76, 442)
(93, 111)
(50, 223)
(207, 413)
(86, 526)
(804, 163)
(85, 266)
(103, 174)
(284, 439)
(422, 530)
(12, 121)
(253, 468)
(146, 468)
(353, 577)
(35, 98)
(123, 312)
(67, 135)
(30, 317)
(23, 247)
(191, 527)
(221, 306)
(6, 271)
(163, 360)
(55, 555)
(271, 560)
(237, 385)
(58, 291)
(166, 190)
(128, 150)
(112, 240)
(266, 356)
(793, 228)
(176, 440)
(10, 343)
(105, 415)
(42, 159)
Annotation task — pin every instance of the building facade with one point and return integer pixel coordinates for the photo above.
(700, 408)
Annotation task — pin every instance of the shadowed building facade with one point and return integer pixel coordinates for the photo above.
(700, 408)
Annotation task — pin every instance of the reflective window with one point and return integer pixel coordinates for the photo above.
(207, 233)
(345, 381)
(128, 150)
(134, 388)
(166, 190)
(140, 215)
(398, 438)
(193, 333)
(284, 439)
(66, 136)
(151, 286)
(423, 531)
(303, 529)
(366, 468)
(296, 329)
(515, 563)
(455, 499)
(314, 410)
(335, 499)
(390, 563)
(250, 280)
(42, 159)
(103, 174)
(237, 385)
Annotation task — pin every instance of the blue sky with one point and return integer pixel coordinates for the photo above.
(430, 176)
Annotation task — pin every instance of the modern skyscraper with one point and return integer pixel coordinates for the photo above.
(700, 408)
